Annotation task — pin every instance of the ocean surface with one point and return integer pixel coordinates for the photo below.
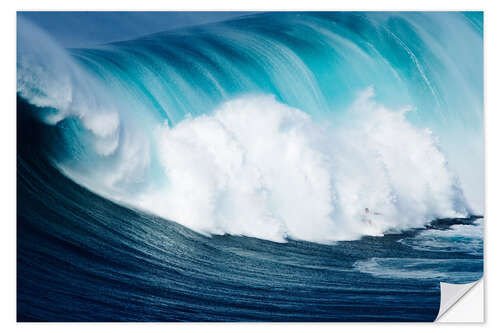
(274, 167)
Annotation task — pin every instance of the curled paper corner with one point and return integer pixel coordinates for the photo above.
(461, 302)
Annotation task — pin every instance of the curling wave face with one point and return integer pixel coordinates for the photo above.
(264, 126)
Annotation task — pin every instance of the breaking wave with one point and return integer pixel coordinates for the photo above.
(298, 128)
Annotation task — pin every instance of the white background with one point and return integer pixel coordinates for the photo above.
(8, 158)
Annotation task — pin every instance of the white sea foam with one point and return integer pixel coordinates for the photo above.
(49, 78)
(259, 168)
(459, 238)
(449, 270)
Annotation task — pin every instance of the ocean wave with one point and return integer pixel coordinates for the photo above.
(241, 129)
